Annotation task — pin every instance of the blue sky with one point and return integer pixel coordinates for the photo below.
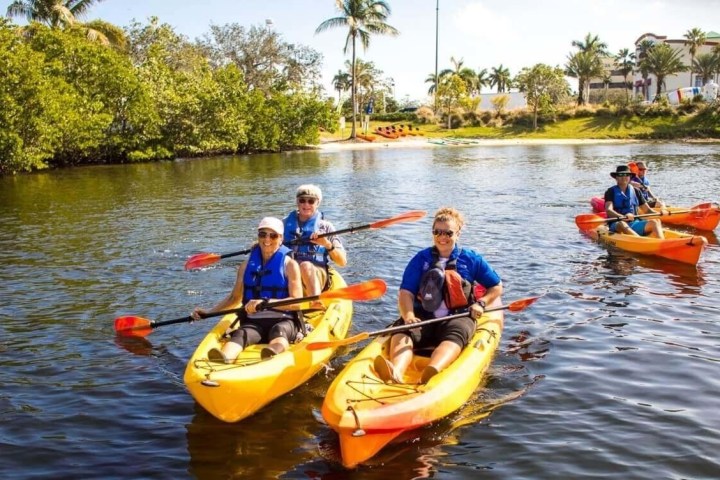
(484, 33)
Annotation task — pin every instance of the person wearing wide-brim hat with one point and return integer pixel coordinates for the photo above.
(623, 201)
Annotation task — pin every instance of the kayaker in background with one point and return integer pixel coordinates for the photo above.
(640, 181)
(303, 226)
(624, 201)
(268, 273)
(440, 280)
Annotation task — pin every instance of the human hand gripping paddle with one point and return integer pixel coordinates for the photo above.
(369, 290)
(204, 259)
(588, 221)
(516, 306)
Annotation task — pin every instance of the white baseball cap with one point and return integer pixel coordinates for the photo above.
(274, 224)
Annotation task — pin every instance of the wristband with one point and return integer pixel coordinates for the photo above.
(482, 304)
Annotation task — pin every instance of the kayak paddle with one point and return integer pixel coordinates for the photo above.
(140, 327)
(516, 306)
(204, 259)
(588, 221)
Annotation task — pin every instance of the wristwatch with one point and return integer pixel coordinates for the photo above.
(482, 303)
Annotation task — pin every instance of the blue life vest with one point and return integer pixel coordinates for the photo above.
(624, 203)
(297, 237)
(645, 183)
(265, 281)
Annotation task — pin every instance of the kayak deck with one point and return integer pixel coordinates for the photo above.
(367, 413)
(235, 391)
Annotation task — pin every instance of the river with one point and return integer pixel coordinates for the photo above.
(614, 371)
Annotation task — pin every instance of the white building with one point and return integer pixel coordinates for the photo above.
(648, 87)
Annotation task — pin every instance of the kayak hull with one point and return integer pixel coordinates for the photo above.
(367, 414)
(706, 218)
(236, 391)
(677, 246)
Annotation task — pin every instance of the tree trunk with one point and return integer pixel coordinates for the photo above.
(353, 133)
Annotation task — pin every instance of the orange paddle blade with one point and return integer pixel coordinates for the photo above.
(634, 168)
(522, 304)
(131, 326)
(201, 260)
(588, 221)
(410, 216)
(369, 290)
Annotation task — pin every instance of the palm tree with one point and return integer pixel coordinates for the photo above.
(362, 18)
(591, 44)
(65, 14)
(483, 79)
(625, 62)
(695, 38)
(341, 82)
(662, 61)
(466, 74)
(705, 65)
(500, 78)
(431, 80)
(584, 65)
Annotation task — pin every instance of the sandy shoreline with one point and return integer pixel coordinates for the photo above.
(428, 143)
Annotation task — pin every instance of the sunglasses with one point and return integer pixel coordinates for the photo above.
(438, 233)
(272, 235)
(623, 175)
(642, 169)
(309, 200)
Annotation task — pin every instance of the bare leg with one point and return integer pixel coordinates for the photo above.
(310, 279)
(444, 354)
(401, 353)
(654, 227)
(231, 350)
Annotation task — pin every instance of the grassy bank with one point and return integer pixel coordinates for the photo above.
(704, 126)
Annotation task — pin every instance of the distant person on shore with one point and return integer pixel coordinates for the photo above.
(624, 201)
(640, 181)
(303, 226)
(441, 280)
(267, 274)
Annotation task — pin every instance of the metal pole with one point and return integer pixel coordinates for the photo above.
(437, 16)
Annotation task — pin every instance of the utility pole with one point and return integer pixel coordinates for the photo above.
(437, 17)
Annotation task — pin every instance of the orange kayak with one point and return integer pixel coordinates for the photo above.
(677, 246)
(368, 414)
(705, 216)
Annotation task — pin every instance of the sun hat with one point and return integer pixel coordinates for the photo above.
(621, 169)
(274, 224)
(309, 190)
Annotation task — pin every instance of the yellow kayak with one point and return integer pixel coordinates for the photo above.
(236, 391)
(367, 413)
(681, 247)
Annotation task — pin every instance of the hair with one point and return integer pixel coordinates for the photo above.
(309, 190)
(446, 214)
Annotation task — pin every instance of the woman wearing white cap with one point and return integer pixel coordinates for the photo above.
(268, 274)
(303, 226)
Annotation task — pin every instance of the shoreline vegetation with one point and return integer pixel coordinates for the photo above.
(148, 93)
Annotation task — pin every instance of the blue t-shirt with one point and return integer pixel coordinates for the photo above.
(470, 265)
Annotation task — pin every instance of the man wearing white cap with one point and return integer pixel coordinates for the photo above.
(268, 274)
(304, 226)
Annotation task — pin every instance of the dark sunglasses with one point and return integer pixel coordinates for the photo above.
(448, 233)
(309, 200)
(272, 235)
(642, 169)
(623, 174)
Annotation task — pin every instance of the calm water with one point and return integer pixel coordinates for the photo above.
(613, 372)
